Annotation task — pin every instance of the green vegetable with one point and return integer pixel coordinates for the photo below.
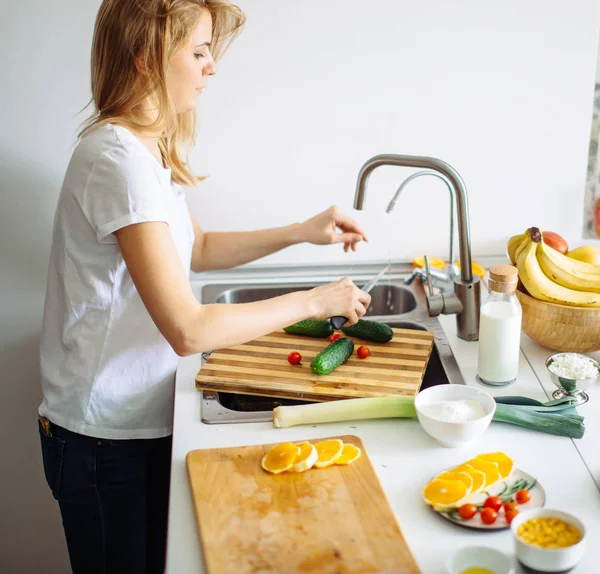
(310, 328)
(345, 410)
(332, 356)
(544, 419)
(370, 331)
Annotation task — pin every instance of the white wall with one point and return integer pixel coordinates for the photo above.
(502, 91)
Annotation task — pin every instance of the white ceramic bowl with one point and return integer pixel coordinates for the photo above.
(453, 434)
(548, 559)
(482, 557)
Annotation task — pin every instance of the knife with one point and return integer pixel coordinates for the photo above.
(337, 321)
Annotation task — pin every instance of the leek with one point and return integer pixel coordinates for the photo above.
(345, 410)
(540, 418)
(535, 418)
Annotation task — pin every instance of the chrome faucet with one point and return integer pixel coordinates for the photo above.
(446, 276)
(465, 301)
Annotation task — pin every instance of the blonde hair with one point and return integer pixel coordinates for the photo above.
(153, 30)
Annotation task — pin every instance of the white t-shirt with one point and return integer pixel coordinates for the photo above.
(106, 369)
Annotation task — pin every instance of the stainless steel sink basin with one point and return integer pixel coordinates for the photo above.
(401, 306)
(385, 299)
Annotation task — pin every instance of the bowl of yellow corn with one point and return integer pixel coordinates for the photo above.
(548, 540)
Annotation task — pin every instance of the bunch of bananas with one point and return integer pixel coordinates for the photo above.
(550, 276)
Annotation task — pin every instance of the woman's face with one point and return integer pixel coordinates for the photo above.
(191, 66)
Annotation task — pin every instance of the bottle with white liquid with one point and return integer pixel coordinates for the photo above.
(500, 329)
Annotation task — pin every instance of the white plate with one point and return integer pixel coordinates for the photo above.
(506, 490)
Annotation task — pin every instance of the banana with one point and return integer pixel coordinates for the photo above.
(572, 265)
(552, 268)
(542, 287)
(513, 243)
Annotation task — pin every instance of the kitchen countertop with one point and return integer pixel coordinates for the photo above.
(405, 458)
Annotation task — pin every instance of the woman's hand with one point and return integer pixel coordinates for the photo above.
(322, 229)
(342, 297)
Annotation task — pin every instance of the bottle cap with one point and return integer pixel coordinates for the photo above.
(503, 278)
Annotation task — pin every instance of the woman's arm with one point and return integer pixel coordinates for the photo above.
(223, 250)
(189, 327)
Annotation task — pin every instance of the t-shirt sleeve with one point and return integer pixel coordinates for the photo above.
(122, 189)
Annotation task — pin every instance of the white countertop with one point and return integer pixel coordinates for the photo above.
(405, 458)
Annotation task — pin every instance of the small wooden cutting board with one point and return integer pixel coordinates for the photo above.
(329, 520)
(260, 367)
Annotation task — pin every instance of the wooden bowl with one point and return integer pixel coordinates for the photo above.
(560, 327)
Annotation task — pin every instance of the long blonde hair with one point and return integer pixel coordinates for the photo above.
(154, 30)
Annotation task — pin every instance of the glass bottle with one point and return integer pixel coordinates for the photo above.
(500, 329)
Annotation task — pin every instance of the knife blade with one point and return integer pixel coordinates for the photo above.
(338, 320)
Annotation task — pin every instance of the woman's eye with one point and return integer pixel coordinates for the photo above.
(198, 56)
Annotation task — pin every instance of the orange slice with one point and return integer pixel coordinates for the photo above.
(458, 475)
(350, 453)
(477, 476)
(307, 457)
(280, 458)
(506, 465)
(419, 261)
(477, 269)
(489, 468)
(442, 494)
(329, 451)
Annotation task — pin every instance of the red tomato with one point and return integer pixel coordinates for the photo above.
(523, 496)
(363, 352)
(467, 511)
(488, 515)
(334, 337)
(493, 502)
(511, 514)
(294, 358)
(508, 506)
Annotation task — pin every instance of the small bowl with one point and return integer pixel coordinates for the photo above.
(571, 387)
(537, 559)
(453, 434)
(482, 557)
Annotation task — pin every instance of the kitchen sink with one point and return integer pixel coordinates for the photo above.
(398, 305)
(385, 299)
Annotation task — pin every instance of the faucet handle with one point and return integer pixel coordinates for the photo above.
(428, 273)
(442, 303)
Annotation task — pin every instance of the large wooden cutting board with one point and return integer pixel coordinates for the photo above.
(261, 368)
(329, 520)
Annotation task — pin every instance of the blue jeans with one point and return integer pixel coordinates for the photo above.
(113, 497)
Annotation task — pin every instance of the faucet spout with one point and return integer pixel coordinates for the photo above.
(467, 286)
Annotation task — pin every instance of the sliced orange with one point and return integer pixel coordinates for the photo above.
(506, 465)
(329, 451)
(350, 453)
(419, 261)
(477, 269)
(442, 494)
(458, 475)
(280, 458)
(489, 468)
(307, 457)
(477, 476)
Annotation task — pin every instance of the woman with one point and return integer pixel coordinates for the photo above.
(119, 306)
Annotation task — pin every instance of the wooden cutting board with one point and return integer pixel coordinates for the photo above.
(261, 368)
(329, 520)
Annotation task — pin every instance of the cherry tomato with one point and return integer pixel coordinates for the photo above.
(363, 352)
(508, 506)
(334, 337)
(523, 496)
(493, 502)
(294, 358)
(488, 515)
(467, 511)
(511, 514)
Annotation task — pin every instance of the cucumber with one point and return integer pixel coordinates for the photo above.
(332, 356)
(370, 331)
(310, 328)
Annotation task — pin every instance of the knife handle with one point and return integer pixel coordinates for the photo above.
(337, 321)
